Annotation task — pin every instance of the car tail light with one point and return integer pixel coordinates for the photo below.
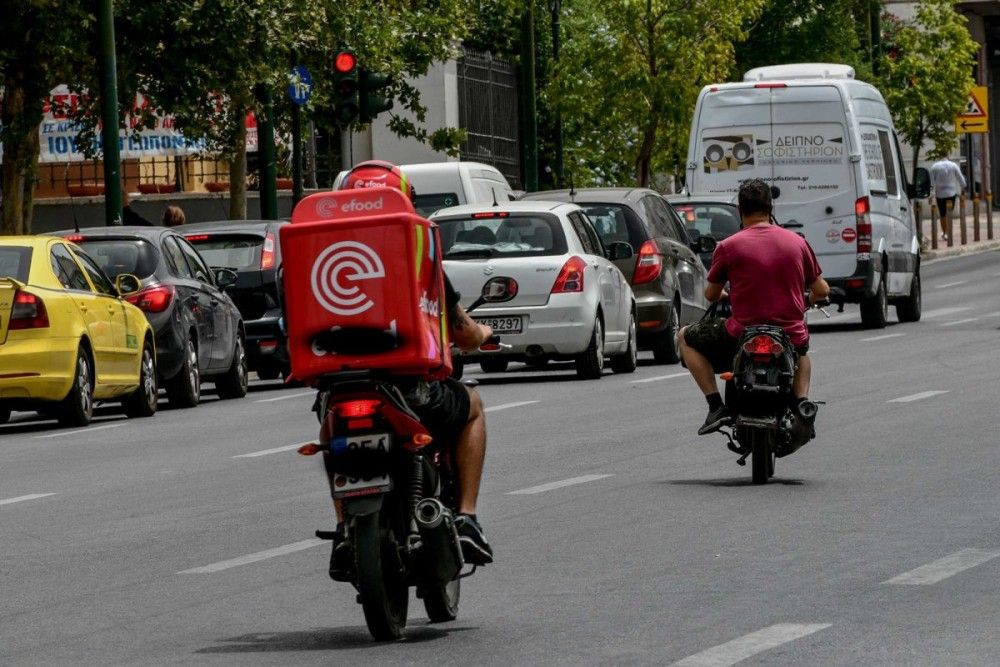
(154, 299)
(358, 409)
(28, 312)
(863, 224)
(76, 238)
(490, 214)
(196, 238)
(763, 346)
(771, 85)
(648, 264)
(267, 254)
(570, 278)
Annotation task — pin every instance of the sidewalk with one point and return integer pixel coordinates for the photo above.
(984, 244)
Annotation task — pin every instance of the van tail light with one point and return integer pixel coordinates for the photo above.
(28, 312)
(570, 278)
(863, 224)
(648, 264)
(358, 409)
(763, 346)
(153, 299)
(267, 254)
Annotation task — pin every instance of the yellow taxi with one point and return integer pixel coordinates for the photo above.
(67, 337)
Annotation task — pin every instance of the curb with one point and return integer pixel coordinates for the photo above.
(958, 251)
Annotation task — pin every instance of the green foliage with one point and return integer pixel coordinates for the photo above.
(927, 73)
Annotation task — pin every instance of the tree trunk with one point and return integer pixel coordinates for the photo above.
(644, 160)
(238, 169)
(917, 145)
(20, 155)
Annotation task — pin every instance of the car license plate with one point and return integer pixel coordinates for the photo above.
(503, 325)
(345, 486)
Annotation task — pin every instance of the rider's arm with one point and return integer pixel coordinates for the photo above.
(818, 291)
(466, 333)
(714, 292)
(818, 288)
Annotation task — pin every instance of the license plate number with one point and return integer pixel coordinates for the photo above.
(344, 485)
(503, 325)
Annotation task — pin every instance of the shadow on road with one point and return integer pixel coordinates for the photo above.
(730, 482)
(325, 639)
(840, 327)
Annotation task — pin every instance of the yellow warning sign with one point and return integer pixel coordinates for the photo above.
(975, 117)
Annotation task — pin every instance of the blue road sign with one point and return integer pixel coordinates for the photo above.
(300, 84)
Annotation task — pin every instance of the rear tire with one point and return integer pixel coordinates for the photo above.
(441, 601)
(910, 309)
(77, 409)
(590, 363)
(4, 415)
(184, 389)
(628, 360)
(233, 383)
(875, 309)
(142, 402)
(269, 372)
(665, 349)
(494, 365)
(762, 458)
(384, 598)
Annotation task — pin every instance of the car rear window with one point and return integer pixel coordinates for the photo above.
(236, 252)
(614, 224)
(717, 220)
(15, 262)
(429, 203)
(508, 236)
(118, 256)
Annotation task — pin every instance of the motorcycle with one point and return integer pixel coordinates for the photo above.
(398, 490)
(767, 424)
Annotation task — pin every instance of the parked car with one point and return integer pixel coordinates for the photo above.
(571, 301)
(199, 331)
(707, 215)
(67, 337)
(667, 277)
(250, 248)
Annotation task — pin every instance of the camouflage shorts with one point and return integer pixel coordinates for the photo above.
(710, 337)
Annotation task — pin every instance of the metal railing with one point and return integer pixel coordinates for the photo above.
(488, 111)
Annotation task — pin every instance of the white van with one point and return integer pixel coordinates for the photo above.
(444, 184)
(827, 145)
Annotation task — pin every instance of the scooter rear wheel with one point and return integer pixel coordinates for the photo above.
(441, 601)
(384, 595)
(762, 458)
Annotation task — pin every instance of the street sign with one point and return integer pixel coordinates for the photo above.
(975, 118)
(300, 84)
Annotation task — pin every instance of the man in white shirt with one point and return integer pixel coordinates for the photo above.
(948, 183)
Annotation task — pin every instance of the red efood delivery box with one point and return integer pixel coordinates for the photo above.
(363, 287)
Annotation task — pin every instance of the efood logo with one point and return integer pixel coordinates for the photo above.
(326, 207)
(335, 275)
(355, 206)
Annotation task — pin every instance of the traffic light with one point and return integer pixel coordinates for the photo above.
(346, 103)
(372, 101)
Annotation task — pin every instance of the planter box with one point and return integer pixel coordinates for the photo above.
(157, 188)
(217, 186)
(85, 190)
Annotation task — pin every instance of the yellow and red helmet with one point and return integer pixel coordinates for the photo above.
(378, 174)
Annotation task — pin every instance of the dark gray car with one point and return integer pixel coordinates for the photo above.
(707, 215)
(666, 274)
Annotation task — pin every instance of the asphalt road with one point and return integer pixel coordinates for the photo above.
(876, 544)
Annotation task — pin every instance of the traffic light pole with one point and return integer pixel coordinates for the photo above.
(109, 113)
(529, 114)
(267, 163)
(345, 148)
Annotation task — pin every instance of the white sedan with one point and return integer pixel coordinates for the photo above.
(571, 301)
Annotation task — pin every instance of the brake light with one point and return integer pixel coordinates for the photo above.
(267, 254)
(28, 312)
(648, 264)
(570, 278)
(358, 409)
(154, 299)
(490, 214)
(863, 225)
(76, 238)
(197, 238)
(771, 85)
(763, 346)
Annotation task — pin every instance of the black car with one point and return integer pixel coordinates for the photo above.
(707, 215)
(250, 248)
(199, 331)
(666, 276)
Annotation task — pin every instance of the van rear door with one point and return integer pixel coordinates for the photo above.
(731, 124)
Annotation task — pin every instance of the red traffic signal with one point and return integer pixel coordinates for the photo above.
(345, 62)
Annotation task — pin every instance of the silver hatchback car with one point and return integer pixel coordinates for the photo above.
(571, 302)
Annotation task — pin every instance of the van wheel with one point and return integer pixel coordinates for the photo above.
(909, 309)
(665, 350)
(875, 309)
(590, 364)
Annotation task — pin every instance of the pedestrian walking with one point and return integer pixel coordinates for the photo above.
(948, 182)
(130, 217)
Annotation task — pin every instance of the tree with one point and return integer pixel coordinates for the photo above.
(926, 73)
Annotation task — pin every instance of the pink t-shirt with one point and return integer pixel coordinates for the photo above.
(768, 269)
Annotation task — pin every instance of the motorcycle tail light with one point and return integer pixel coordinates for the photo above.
(359, 424)
(357, 409)
(763, 346)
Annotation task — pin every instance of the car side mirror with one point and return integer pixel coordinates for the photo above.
(127, 284)
(705, 244)
(225, 278)
(921, 186)
(620, 250)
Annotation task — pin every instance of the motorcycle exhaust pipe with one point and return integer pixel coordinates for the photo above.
(441, 554)
(807, 410)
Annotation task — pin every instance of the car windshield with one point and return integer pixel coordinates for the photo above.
(428, 204)
(15, 262)
(716, 220)
(118, 256)
(229, 251)
(529, 235)
(613, 225)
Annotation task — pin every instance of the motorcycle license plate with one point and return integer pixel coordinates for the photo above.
(345, 486)
(503, 325)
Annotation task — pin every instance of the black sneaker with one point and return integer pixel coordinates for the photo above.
(475, 549)
(342, 557)
(715, 420)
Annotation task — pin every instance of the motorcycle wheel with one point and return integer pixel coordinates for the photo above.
(384, 596)
(762, 459)
(441, 601)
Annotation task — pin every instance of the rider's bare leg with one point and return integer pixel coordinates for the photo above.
(700, 367)
(470, 453)
(803, 376)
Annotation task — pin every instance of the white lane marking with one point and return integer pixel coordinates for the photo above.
(957, 322)
(918, 397)
(21, 499)
(886, 336)
(542, 488)
(954, 284)
(265, 452)
(749, 645)
(661, 377)
(941, 312)
(285, 398)
(253, 558)
(941, 569)
(89, 429)
(508, 406)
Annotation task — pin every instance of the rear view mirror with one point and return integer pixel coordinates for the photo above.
(921, 186)
(620, 250)
(225, 278)
(706, 244)
(127, 284)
